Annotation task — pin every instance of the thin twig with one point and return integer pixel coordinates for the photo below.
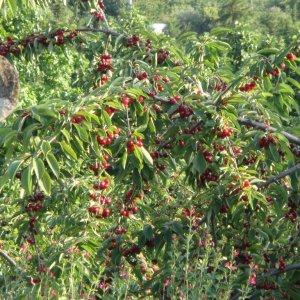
(106, 31)
(220, 97)
(128, 122)
(213, 230)
(104, 19)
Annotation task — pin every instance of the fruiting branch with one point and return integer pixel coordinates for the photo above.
(279, 176)
(286, 269)
(13, 264)
(293, 139)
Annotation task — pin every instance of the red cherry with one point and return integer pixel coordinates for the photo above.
(101, 140)
(134, 209)
(105, 213)
(290, 56)
(125, 213)
(246, 184)
(125, 100)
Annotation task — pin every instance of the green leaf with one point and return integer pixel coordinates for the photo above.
(151, 126)
(45, 183)
(106, 118)
(220, 30)
(268, 51)
(83, 134)
(114, 104)
(46, 147)
(3, 180)
(177, 227)
(274, 152)
(26, 180)
(124, 159)
(285, 88)
(43, 110)
(199, 163)
(281, 56)
(137, 179)
(148, 232)
(294, 82)
(147, 157)
(53, 164)
(67, 149)
(38, 167)
(13, 168)
(137, 153)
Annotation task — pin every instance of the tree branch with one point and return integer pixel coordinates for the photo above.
(279, 176)
(13, 264)
(289, 268)
(293, 139)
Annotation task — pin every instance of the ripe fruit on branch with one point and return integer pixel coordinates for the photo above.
(127, 100)
(125, 213)
(246, 184)
(134, 209)
(184, 110)
(77, 119)
(34, 207)
(162, 55)
(265, 142)
(106, 213)
(290, 56)
(105, 63)
(223, 133)
(130, 146)
(95, 210)
(132, 41)
(102, 185)
(101, 4)
(98, 15)
(174, 100)
(142, 76)
(39, 196)
(248, 87)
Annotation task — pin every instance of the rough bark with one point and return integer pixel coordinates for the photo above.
(9, 88)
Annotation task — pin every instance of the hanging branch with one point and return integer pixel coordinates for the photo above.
(13, 264)
(279, 176)
(293, 139)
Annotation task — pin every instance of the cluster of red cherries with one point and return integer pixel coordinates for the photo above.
(265, 141)
(35, 203)
(131, 144)
(106, 141)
